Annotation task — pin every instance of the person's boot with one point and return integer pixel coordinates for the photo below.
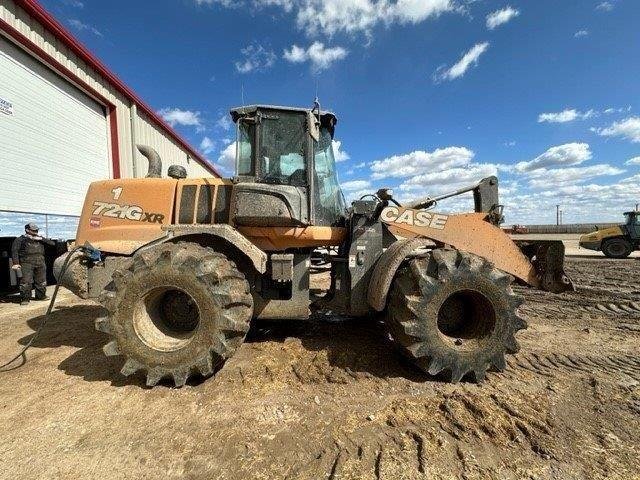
(40, 299)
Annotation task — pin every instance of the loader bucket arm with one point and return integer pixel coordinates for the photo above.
(473, 233)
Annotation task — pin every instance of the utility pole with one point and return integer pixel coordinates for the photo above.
(561, 212)
(557, 214)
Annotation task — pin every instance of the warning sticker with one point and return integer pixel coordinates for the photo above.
(6, 107)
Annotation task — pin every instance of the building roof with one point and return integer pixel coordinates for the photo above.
(37, 11)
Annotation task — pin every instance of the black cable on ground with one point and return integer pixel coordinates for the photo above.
(23, 352)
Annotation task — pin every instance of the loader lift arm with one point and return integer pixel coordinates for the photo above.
(535, 263)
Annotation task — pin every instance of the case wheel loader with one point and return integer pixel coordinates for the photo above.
(615, 242)
(185, 265)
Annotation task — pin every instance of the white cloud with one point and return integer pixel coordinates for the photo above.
(605, 6)
(177, 116)
(575, 200)
(286, 5)
(360, 16)
(224, 122)
(544, 178)
(207, 145)
(227, 158)
(450, 177)
(581, 33)
(457, 70)
(562, 155)
(81, 27)
(633, 161)
(567, 115)
(500, 17)
(419, 162)
(329, 17)
(355, 185)
(339, 154)
(618, 110)
(320, 57)
(73, 3)
(628, 128)
(359, 166)
(256, 58)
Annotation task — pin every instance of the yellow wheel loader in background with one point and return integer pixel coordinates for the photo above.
(185, 265)
(615, 242)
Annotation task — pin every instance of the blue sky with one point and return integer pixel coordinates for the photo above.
(430, 94)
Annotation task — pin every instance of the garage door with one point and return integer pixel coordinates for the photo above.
(53, 138)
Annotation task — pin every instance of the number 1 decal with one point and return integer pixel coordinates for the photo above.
(116, 193)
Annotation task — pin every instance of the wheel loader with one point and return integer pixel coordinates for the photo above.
(184, 266)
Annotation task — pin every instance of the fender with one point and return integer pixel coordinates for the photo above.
(469, 232)
(386, 267)
(227, 233)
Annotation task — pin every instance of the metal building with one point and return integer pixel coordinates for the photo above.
(66, 120)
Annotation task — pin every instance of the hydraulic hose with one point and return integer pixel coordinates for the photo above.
(23, 352)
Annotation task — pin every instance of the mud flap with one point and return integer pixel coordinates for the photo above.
(547, 257)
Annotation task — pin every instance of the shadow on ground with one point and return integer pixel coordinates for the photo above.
(73, 326)
(354, 348)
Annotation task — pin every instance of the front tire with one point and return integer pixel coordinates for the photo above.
(616, 248)
(177, 310)
(452, 313)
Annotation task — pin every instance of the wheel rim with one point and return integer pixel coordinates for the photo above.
(166, 318)
(467, 318)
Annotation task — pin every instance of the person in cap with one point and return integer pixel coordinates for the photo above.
(27, 253)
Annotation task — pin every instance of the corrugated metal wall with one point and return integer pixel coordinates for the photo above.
(146, 131)
(171, 154)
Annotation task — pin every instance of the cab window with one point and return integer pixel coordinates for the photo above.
(329, 201)
(282, 149)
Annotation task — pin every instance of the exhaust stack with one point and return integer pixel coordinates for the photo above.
(155, 163)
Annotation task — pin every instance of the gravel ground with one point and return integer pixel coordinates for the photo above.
(331, 399)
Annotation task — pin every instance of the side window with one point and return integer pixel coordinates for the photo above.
(329, 201)
(245, 149)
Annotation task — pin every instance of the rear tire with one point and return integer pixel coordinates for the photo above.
(617, 248)
(177, 310)
(452, 313)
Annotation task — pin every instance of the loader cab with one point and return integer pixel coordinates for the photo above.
(632, 224)
(285, 168)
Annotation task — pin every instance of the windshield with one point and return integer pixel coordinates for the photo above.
(631, 219)
(329, 201)
(282, 141)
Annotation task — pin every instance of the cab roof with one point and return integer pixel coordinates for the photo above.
(239, 112)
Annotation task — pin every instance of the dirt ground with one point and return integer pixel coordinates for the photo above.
(333, 400)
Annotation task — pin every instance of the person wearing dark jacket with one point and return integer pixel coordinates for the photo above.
(27, 253)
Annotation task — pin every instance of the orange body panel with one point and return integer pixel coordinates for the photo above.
(120, 216)
(199, 182)
(469, 232)
(281, 238)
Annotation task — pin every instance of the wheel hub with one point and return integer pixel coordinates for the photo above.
(466, 317)
(166, 318)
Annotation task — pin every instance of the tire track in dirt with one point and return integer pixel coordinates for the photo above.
(551, 364)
